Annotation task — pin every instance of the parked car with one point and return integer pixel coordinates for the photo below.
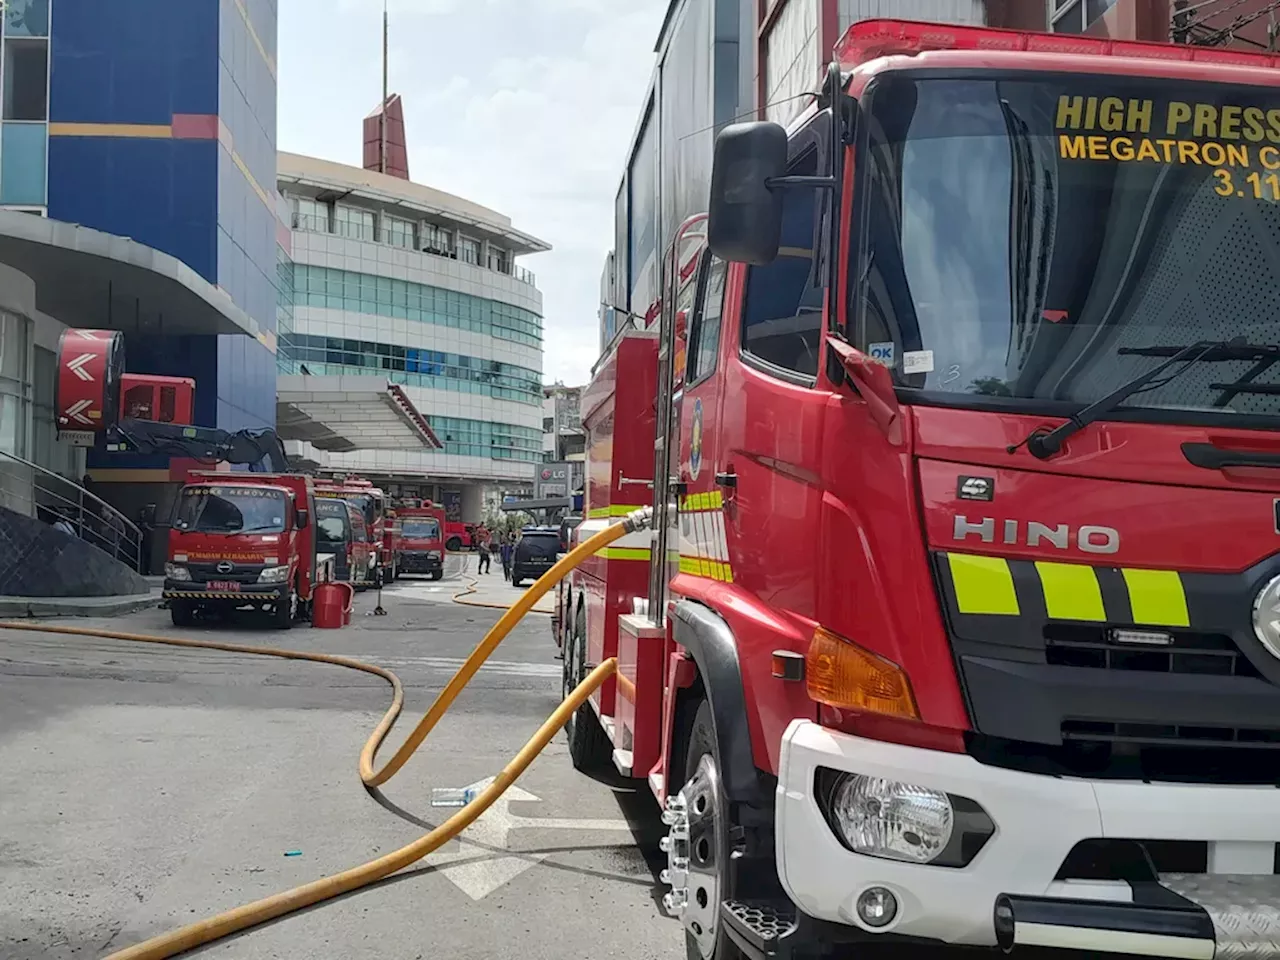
(535, 554)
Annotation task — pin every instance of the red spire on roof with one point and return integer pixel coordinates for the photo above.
(397, 152)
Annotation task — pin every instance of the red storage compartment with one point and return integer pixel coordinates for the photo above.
(164, 399)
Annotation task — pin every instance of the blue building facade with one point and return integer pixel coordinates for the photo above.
(161, 126)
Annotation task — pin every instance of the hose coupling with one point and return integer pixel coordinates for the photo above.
(638, 520)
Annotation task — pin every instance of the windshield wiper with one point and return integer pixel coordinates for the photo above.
(1043, 444)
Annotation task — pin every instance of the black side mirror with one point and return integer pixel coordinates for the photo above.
(302, 518)
(744, 217)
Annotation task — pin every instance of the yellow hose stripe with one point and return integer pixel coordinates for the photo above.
(983, 585)
(1157, 598)
(1071, 591)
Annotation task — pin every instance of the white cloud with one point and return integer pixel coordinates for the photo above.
(525, 106)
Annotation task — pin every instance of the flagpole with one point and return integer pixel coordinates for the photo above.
(382, 165)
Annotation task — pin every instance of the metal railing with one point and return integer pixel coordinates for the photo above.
(33, 491)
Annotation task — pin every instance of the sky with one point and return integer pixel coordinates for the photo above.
(524, 106)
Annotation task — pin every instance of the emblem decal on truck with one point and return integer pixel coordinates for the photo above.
(1088, 538)
(695, 440)
(975, 488)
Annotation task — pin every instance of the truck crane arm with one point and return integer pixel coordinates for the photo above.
(201, 443)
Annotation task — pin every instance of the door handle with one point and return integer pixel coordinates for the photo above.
(727, 480)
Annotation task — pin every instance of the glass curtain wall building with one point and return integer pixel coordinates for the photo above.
(393, 279)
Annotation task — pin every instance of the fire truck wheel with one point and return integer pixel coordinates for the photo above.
(437, 574)
(453, 545)
(589, 748)
(283, 613)
(705, 812)
(182, 612)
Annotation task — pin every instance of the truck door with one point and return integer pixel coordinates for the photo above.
(770, 428)
(702, 548)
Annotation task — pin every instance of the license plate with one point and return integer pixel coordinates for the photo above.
(230, 585)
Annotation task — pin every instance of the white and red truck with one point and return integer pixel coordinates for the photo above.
(959, 621)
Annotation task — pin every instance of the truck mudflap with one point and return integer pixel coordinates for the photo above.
(1189, 916)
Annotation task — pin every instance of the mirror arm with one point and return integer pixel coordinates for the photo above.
(822, 183)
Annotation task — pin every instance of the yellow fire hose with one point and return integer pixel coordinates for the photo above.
(260, 911)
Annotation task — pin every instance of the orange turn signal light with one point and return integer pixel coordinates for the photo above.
(843, 675)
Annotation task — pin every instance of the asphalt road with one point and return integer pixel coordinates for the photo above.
(146, 787)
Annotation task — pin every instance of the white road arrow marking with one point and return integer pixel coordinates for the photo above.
(477, 870)
(76, 366)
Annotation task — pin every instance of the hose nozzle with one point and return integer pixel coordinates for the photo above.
(638, 520)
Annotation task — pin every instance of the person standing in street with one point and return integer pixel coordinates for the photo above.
(483, 542)
(507, 550)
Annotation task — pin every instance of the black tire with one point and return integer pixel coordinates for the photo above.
(282, 612)
(453, 544)
(437, 574)
(709, 829)
(589, 747)
(182, 612)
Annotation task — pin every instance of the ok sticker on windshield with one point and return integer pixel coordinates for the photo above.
(881, 352)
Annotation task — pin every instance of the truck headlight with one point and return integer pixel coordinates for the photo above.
(433, 554)
(1266, 616)
(177, 571)
(274, 575)
(897, 820)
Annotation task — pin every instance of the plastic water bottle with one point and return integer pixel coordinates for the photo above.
(452, 796)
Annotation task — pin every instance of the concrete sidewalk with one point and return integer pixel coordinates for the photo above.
(11, 607)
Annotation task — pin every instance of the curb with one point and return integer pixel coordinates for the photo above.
(42, 607)
(459, 598)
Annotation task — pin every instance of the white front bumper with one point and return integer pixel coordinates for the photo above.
(1038, 820)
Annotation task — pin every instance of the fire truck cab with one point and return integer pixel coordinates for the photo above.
(960, 621)
(243, 540)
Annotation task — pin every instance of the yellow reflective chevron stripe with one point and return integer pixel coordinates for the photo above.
(1157, 598)
(983, 585)
(1071, 591)
(625, 553)
(704, 547)
(613, 510)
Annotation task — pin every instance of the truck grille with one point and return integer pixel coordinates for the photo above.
(1151, 734)
(1204, 654)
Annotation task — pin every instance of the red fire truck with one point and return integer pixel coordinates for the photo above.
(242, 540)
(935, 639)
(422, 546)
(371, 503)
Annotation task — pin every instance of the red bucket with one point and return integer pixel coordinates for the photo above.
(331, 605)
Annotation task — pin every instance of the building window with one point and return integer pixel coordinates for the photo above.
(311, 215)
(469, 250)
(397, 232)
(353, 222)
(1076, 16)
(405, 300)
(26, 79)
(26, 18)
(480, 438)
(46, 450)
(499, 260)
(416, 367)
(15, 387)
(437, 240)
(22, 163)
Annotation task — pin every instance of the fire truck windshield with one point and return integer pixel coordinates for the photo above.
(420, 528)
(230, 510)
(1033, 243)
